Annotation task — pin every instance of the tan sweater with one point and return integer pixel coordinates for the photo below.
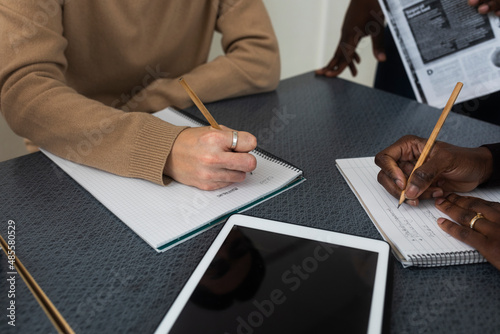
(79, 78)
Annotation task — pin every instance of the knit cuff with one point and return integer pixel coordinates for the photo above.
(151, 149)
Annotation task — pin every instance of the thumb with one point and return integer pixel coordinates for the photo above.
(378, 46)
(421, 179)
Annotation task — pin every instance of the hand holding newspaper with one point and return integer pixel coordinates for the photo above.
(442, 42)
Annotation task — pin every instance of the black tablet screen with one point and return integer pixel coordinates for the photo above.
(264, 282)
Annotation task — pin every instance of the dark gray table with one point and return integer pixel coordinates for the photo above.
(104, 279)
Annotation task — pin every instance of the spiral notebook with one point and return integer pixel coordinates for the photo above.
(412, 232)
(166, 216)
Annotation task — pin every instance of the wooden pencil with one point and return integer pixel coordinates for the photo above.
(199, 104)
(52, 313)
(432, 139)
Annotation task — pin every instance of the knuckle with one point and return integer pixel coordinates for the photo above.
(405, 138)
(208, 159)
(247, 138)
(252, 163)
(452, 198)
(473, 203)
(409, 138)
(204, 175)
(465, 217)
(423, 175)
(493, 205)
(253, 141)
(240, 177)
(447, 225)
(383, 160)
(379, 159)
(244, 162)
(446, 206)
(387, 183)
(211, 137)
(463, 233)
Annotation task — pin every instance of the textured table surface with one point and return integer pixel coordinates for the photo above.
(105, 279)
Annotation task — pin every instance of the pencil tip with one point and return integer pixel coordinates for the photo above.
(399, 205)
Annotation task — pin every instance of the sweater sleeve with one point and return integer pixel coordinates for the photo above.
(38, 104)
(250, 64)
(495, 176)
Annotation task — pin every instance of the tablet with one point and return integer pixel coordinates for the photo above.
(263, 276)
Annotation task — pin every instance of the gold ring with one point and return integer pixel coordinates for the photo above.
(473, 220)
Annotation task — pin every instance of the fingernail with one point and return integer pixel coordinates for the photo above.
(400, 184)
(439, 201)
(412, 191)
(437, 193)
(412, 202)
(441, 220)
(483, 9)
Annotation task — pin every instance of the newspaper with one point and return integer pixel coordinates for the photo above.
(442, 42)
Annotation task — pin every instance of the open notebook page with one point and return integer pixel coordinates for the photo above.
(412, 230)
(163, 216)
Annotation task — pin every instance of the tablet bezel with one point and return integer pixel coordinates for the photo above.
(380, 247)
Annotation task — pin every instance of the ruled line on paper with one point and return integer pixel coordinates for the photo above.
(414, 230)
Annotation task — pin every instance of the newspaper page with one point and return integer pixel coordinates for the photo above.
(442, 42)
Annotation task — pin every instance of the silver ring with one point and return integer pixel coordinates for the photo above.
(235, 140)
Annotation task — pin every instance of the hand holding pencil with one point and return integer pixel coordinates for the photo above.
(202, 157)
(415, 168)
(432, 138)
(210, 157)
(448, 168)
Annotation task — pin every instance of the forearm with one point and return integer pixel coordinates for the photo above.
(38, 104)
(69, 125)
(494, 177)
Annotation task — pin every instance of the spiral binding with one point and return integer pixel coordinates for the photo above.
(271, 157)
(446, 259)
(194, 119)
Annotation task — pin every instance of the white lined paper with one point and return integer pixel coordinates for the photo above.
(163, 215)
(413, 231)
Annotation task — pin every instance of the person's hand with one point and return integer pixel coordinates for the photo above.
(363, 18)
(485, 234)
(448, 168)
(202, 157)
(486, 6)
